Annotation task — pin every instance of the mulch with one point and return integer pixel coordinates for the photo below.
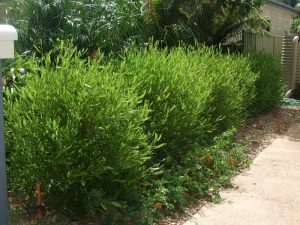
(260, 131)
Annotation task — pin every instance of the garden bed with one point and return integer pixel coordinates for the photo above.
(257, 133)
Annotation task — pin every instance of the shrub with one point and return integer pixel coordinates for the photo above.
(193, 94)
(233, 87)
(269, 84)
(209, 22)
(77, 129)
(110, 25)
(178, 101)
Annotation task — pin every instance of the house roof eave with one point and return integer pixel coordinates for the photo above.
(283, 6)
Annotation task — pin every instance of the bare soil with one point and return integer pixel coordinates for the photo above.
(258, 132)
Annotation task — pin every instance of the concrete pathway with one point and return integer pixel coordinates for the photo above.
(268, 193)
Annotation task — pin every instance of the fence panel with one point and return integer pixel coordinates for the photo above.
(271, 44)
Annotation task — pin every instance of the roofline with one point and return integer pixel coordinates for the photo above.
(283, 6)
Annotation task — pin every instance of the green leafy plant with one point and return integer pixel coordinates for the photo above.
(295, 25)
(92, 25)
(193, 93)
(202, 173)
(269, 83)
(210, 22)
(77, 129)
(178, 99)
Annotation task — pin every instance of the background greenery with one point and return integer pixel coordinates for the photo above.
(210, 22)
(92, 25)
(114, 25)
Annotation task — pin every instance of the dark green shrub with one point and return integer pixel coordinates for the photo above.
(209, 22)
(77, 129)
(109, 25)
(269, 84)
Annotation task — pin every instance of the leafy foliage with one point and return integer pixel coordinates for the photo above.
(193, 93)
(295, 25)
(105, 24)
(210, 22)
(202, 173)
(78, 131)
(269, 83)
(113, 25)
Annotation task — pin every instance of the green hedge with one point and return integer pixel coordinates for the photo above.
(269, 84)
(78, 130)
(94, 132)
(193, 94)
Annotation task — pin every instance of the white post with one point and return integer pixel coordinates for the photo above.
(8, 35)
(295, 60)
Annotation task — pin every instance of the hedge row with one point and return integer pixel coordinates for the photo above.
(106, 138)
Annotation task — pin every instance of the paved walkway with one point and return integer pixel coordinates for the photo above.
(267, 194)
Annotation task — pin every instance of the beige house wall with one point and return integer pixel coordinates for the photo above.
(280, 18)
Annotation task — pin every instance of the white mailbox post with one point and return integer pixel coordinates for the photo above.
(8, 34)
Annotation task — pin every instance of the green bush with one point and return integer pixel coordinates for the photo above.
(233, 87)
(193, 94)
(178, 100)
(77, 129)
(109, 25)
(269, 84)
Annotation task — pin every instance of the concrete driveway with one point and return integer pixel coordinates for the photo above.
(267, 194)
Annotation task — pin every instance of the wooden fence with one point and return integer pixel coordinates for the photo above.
(268, 43)
(278, 46)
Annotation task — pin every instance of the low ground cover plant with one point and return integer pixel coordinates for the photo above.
(128, 139)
